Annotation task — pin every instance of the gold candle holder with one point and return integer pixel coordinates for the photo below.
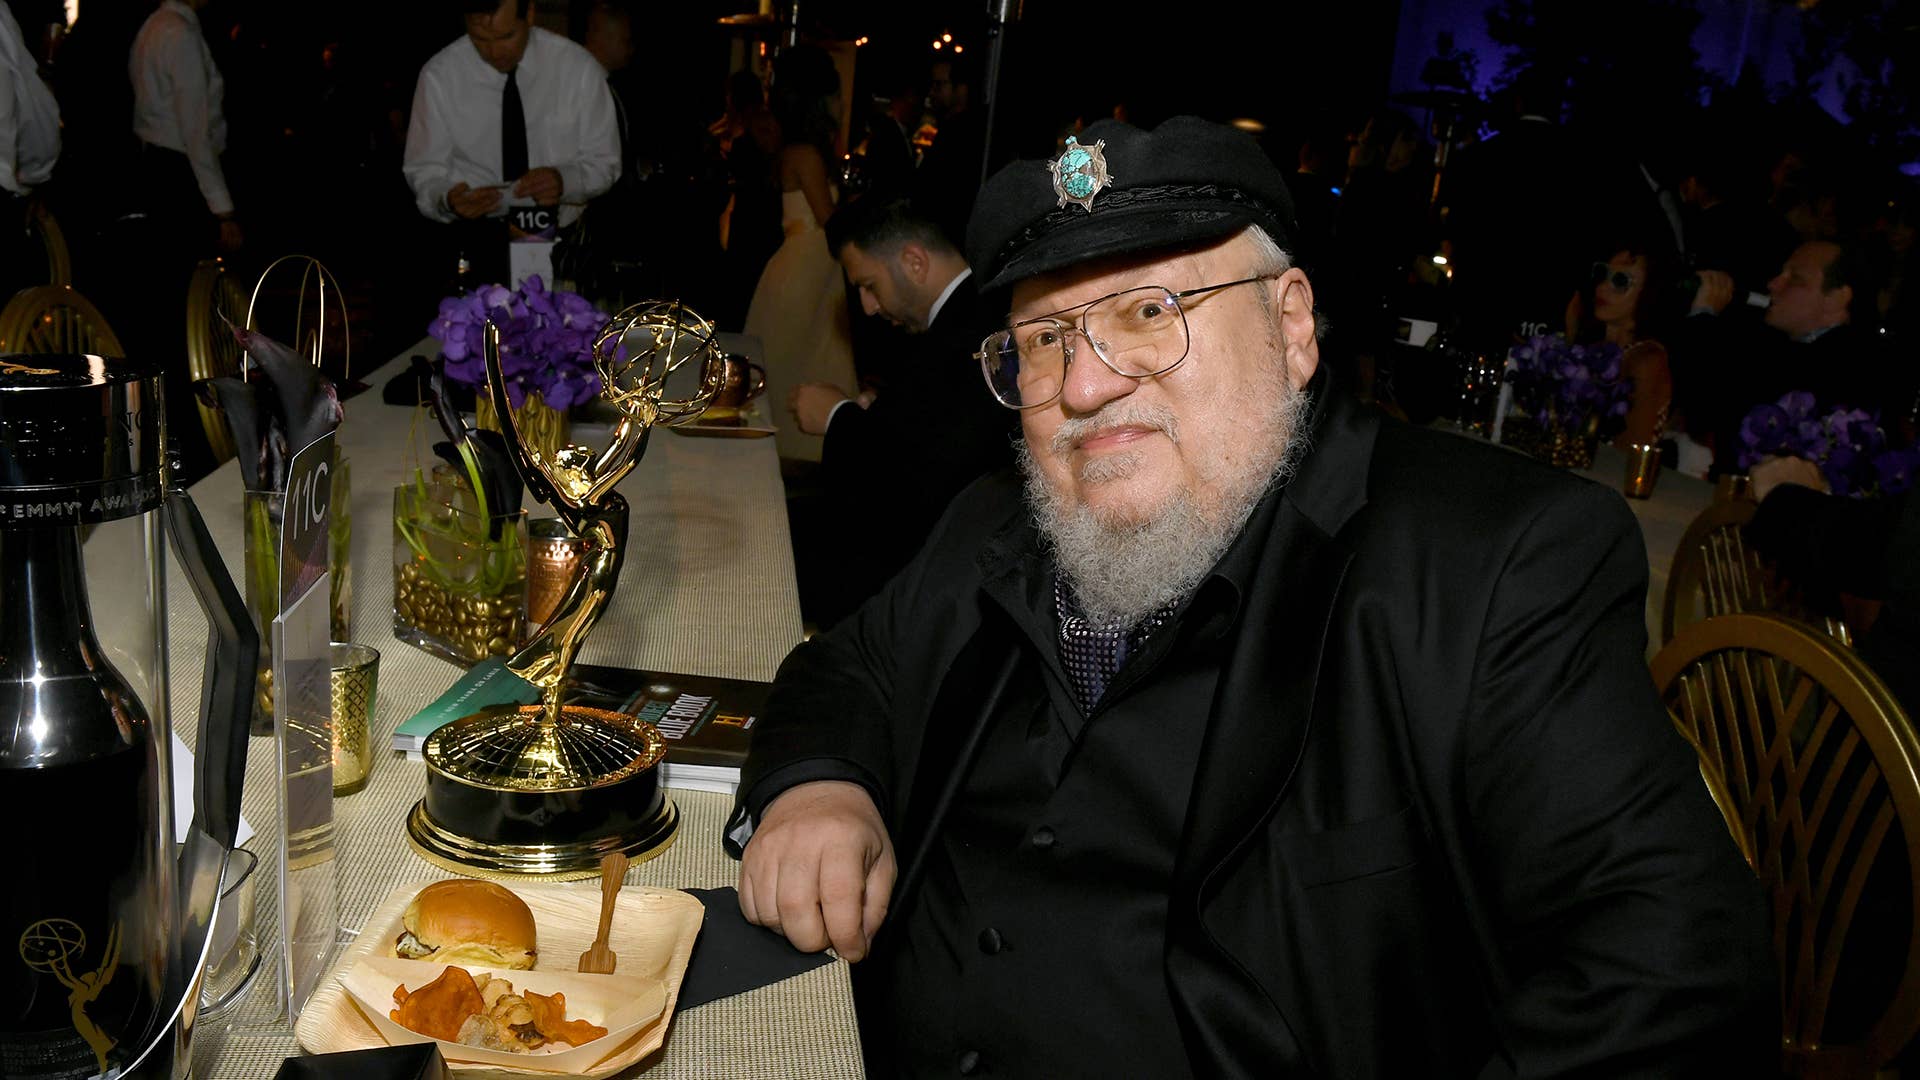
(1643, 468)
(355, 683)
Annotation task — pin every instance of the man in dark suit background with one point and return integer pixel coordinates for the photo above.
(896, 455)
(1246, 732)
(1811, 340)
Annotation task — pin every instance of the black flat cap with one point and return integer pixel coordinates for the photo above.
(1186, 182)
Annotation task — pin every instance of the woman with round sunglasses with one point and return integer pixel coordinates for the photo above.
(1628, 304)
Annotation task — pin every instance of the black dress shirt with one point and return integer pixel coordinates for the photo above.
(1061, 847)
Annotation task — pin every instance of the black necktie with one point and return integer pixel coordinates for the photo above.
(513, 133)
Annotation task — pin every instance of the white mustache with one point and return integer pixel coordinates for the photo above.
(1078, 429)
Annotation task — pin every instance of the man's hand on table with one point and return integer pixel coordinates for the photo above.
(819, 868)
(1771, 472)
(812, 405)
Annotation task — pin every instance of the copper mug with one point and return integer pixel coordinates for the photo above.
(741, 380)
(553, 560)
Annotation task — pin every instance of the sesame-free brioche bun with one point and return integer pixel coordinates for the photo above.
(468, 922)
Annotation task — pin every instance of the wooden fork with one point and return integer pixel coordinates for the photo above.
(599, 960)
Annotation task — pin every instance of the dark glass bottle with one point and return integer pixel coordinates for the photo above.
(81, 957)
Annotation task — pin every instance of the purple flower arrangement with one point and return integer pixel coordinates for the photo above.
(1848, 444)
(546, 341)
(1573, 387)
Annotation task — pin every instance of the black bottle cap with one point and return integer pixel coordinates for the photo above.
(82, 439)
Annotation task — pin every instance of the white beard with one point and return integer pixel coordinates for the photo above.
(1122, 570)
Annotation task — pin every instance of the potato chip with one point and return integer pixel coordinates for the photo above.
(550, 1019)
(440, 1007)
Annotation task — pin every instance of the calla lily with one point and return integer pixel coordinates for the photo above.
(281, 407)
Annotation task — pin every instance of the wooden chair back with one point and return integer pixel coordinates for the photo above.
(41, 225)
(215, 299)
(55, 319)
(298, 302)
(1715, 572)
(1818, 771)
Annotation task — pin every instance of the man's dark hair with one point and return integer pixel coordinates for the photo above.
(488, 7)
(881, 225)
(1852, 266)
(745, 91)
(961, 70)
(1848, 266)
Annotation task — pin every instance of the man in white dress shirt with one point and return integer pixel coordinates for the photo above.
(509, 113)
(177, 97)
(29, 147)
(29, 116)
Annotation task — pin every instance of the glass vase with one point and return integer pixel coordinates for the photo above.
(262, 513)
(1569, 449)
(541, 428)
(459, 579)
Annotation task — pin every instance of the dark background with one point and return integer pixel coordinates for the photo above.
(318, 92)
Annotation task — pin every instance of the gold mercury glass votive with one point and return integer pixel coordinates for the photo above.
(356, 677)
(1643, 468)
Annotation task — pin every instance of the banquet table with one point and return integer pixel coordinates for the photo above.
(708, 588)
(1663, 516)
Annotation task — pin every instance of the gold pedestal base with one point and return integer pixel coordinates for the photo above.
(545, 862)
(511, 793)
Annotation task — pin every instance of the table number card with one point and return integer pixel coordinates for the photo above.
(303, 730)
(531, 231)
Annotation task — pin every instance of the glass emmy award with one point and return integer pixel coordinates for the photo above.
(547, 790)
(105, 924)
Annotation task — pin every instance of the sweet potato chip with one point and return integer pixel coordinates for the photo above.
(550, 1019)
(440, 1007)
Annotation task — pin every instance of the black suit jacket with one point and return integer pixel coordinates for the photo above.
(892, 468)
(1441, 823)
(1727, 364)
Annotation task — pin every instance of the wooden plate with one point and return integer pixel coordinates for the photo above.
(653, 935)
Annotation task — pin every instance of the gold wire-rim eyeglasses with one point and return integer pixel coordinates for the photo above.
(988, 351)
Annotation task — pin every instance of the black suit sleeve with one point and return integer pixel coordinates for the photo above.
(1825, 543)
(1632, 928)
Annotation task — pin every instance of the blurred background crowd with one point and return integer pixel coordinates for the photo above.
(1725, 189)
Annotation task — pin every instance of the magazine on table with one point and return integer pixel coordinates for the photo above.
(707, 720)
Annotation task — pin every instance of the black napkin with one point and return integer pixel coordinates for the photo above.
(415, 1061)
(409, 387)
(732, 956)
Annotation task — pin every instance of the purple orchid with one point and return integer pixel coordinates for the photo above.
(1569, 385)
(1848, 445)
(546, 341)
(1896, 470)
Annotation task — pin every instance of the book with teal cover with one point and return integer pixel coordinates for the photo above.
(486, 683)
(707, 720)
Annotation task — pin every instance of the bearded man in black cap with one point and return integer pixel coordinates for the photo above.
(1244, 732)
